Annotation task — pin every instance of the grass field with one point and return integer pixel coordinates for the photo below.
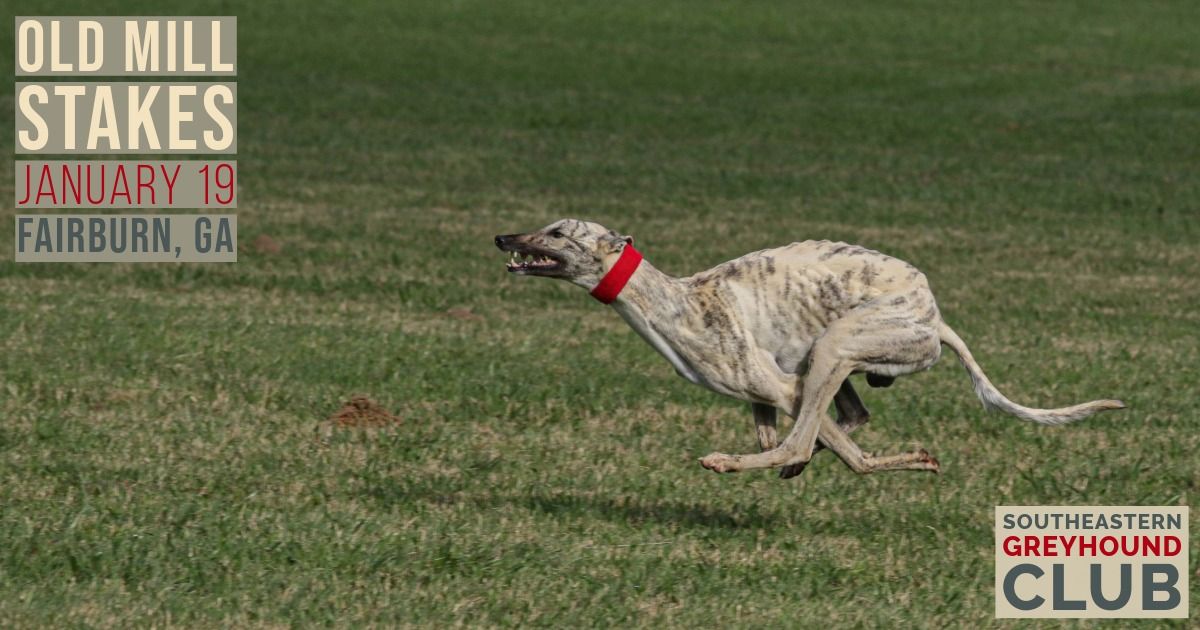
(164, 454)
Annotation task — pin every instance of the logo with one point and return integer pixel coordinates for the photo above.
(1092, 562)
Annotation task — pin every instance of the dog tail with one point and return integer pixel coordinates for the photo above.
(993, 399)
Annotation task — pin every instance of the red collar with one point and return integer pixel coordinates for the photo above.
(611, 284)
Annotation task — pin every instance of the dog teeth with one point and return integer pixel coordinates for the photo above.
(525, 260)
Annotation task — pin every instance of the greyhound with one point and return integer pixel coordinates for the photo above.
(779, 328)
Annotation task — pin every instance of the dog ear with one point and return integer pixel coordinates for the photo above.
(617, 242)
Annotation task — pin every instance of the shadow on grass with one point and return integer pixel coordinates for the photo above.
(665, 512)
(578, 506)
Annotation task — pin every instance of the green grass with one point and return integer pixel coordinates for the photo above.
(164, 458)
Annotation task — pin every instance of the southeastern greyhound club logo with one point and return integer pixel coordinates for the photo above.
(1092, 562)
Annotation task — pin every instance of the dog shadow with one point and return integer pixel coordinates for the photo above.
(671, 513)
(580, 506)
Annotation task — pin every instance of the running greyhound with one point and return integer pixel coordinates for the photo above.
(779, 328)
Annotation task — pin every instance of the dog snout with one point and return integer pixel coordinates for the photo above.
(508, 242)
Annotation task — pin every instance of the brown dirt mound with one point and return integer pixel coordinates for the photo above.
(264, 244)
(363, 412)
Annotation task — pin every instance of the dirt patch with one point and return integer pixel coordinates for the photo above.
(264, 244)
(362, 412)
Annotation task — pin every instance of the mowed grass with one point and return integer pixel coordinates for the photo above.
(164, 455)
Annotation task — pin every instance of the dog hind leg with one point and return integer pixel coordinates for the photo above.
(889, 336)
(895, 343)
(858, 461)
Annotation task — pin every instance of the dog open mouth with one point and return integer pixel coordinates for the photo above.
(536, 263)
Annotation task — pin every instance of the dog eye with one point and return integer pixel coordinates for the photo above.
(556, 234)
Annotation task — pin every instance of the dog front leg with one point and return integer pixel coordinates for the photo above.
(764, 425)
(851, 414)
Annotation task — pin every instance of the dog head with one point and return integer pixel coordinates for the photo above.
(578, 251)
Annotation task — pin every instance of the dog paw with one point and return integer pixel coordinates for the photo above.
(719, 462)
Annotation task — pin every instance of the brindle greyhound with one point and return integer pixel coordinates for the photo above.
(779, 328)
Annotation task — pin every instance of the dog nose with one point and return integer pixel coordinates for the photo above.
(501, 239)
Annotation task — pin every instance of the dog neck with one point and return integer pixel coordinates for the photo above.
(648, 290)
(646, 304)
